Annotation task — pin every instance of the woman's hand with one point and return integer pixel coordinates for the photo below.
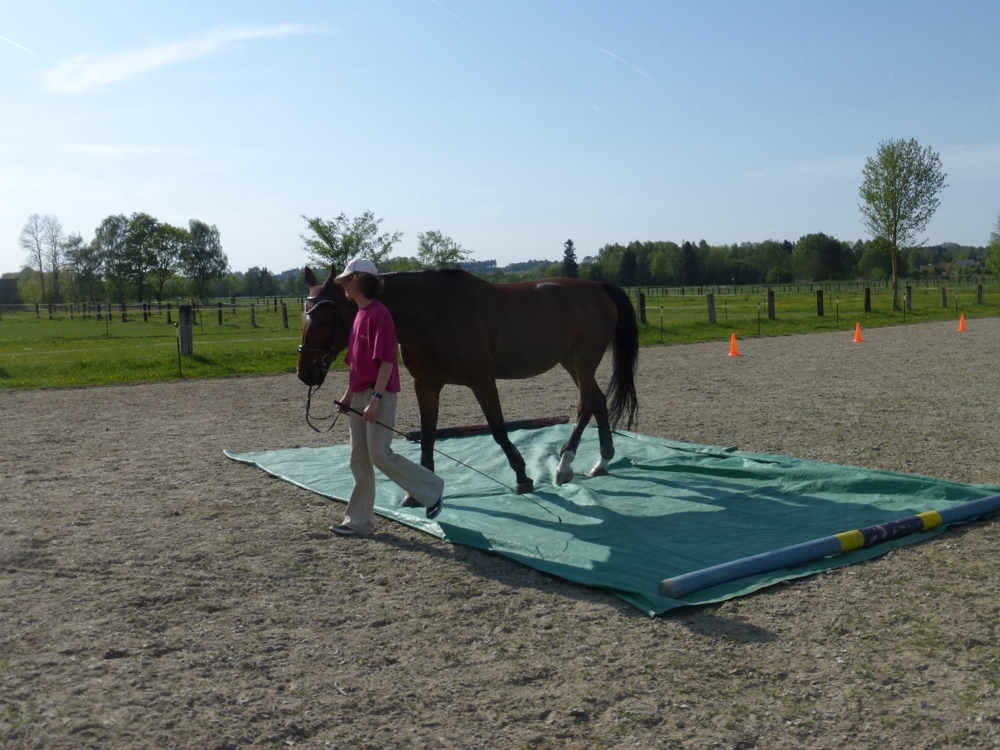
(371, 411)
(345, 402)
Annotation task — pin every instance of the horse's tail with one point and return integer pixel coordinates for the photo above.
(622, 401)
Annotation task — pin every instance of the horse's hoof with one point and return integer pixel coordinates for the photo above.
(409, 502)
(524, 488)
(599, 471)
(564, 477)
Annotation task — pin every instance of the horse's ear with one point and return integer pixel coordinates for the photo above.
(310, 277)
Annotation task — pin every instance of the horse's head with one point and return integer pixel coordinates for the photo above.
(326, 324)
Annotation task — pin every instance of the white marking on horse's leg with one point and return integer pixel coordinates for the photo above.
(564, 472)
(600, 468)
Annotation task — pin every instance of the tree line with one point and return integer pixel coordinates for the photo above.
(130, 257)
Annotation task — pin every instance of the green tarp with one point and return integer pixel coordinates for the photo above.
(667, 508)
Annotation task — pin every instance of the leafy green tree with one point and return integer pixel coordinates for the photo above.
(569, 267)
(84, 262)
(689, 264)
(899, 196)
(993, 249)
(259, 282)
(32, 241)
(626, 271)
(202, 258)
(819, 257)
(335, 242)
(876, 262)
(436, 250)
(400, 263)
(167, 247)
(111, 241)
(142, 240)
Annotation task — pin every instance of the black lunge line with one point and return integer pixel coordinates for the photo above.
(403, 434)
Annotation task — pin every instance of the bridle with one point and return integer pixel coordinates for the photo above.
(328, 353)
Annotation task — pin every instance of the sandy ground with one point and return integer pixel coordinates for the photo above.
(155, 594)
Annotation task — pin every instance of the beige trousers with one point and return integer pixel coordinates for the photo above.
(371, 446)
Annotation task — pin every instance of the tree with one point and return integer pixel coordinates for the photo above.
(111, 241)
(53, 238)
(202, 258)
(141, 241)
(168, 246)
(435, 250)
(993, 250)
(899, 193)
(819, 257)
(84, 263)
(569, 268)
(875, 261)
(689, 264)
(626, 271)
(33, 243)
(336, 242)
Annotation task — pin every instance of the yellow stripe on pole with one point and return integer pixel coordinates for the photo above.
(931, 519)
(851, 540)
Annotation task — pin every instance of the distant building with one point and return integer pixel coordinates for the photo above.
(8, 292)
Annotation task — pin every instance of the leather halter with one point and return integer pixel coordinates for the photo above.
(317, 301)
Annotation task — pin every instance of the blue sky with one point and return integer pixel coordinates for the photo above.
(509, 126)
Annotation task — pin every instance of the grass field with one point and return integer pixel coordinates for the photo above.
(65, 351)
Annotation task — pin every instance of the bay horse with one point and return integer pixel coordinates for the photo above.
(455, 328)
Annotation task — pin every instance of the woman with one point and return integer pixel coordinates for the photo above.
(374, 381)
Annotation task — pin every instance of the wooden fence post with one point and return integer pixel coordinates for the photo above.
(186, 315)
(641, 300)
(819, 302)
(979, 294)
(909, 297)
(770, 304)
(220, 313)
(944, 296)
(868, 299)
(168, 313)
(284, 315)
(711, 307)
(253, 316)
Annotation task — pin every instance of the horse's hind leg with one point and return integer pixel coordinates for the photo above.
(585, 382)
(489, 400)
(428, 401)
(603, 434)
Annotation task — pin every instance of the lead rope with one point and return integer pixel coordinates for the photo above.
(309, 418)
(462, 463)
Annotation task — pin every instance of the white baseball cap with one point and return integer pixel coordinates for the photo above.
(358, 265)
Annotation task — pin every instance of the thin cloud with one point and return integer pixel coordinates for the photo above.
(110, 152)
(95, 70)
(474, 29)
(9, 41)
(612, 55)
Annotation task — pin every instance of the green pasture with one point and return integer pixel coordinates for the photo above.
(72, 351)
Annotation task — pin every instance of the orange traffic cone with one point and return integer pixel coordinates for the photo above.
(961, 323)
(857, 334)
(734, 350)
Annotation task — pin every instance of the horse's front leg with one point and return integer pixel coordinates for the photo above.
(428, 401)
(489, 400)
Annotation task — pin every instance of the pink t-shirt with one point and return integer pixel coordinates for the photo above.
(372, 342)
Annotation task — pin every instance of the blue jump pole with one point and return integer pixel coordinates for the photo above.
(799, 554)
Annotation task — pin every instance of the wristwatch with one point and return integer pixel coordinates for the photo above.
(376, 394)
